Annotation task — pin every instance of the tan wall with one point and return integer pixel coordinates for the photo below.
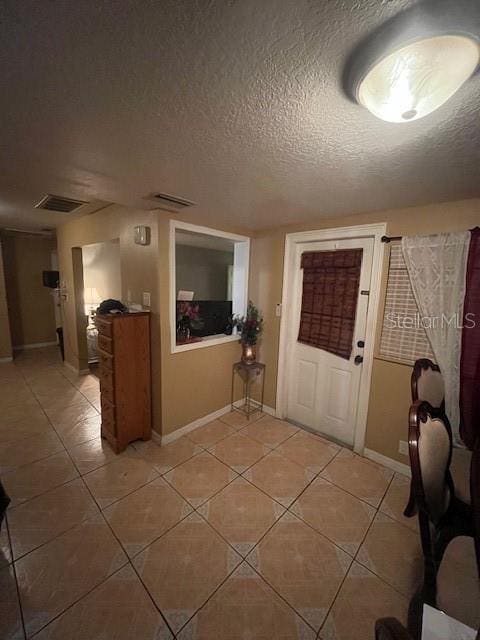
(139, 273)
(30, 304)
(390, 392)
(5, 338)
(101, 269)
(194, 383)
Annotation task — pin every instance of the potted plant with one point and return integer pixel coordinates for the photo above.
(250, 328)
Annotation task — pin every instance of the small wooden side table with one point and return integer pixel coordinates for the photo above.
(248, 372)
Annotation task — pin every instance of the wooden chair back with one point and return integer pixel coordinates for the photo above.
(427, 383)
(430, 449)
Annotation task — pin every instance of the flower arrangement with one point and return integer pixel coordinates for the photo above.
(188, 317)
(250, 326)
(187, 311)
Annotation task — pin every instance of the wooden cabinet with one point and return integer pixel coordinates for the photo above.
(125, 380)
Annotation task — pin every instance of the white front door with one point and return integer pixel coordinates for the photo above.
(323, 388)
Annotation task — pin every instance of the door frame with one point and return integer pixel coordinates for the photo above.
(375, 231)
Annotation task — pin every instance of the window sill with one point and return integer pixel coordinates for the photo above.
(207, 341)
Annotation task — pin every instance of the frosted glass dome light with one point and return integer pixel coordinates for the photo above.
(419, 77)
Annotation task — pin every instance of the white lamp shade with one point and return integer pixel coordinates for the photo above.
(416, 79)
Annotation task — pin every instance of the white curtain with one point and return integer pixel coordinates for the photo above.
(437, 266)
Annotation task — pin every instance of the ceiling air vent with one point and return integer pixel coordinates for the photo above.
(169, 202)
(59, 203)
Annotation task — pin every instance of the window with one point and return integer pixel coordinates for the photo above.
(403, 337)
(209, 281)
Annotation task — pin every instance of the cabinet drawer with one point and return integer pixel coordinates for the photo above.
(104, 326)
(107, 392)
(107, 406)
(107, 387)
(105, 344)
(106, 377)
(105, 360)
(108, 418)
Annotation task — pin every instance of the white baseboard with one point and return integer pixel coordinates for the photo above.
(269, 410)
(34, 345)
(390, 463)
(70, 367)
(156, 437)
(7, 359)
(178, 433)
(79, 372)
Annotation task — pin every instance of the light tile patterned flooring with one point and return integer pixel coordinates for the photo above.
(239, 530)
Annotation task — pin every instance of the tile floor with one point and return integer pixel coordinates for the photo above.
(239, 530)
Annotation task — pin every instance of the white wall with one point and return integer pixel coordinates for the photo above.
(101, 269)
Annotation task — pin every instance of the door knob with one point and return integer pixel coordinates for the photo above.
(358, 359)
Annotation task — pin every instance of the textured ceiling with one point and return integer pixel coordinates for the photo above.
(235, 104)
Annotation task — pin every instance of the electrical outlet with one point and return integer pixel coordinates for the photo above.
(278, 310)
(146, 299)
(403, 447)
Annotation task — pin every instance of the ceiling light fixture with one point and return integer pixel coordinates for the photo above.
(408, 70)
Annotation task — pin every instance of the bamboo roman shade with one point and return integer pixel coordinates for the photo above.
(329, 299)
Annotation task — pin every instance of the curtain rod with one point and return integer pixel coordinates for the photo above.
(388, 239)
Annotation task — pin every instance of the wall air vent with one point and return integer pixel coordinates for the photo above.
(59, 204)
(169, 202)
